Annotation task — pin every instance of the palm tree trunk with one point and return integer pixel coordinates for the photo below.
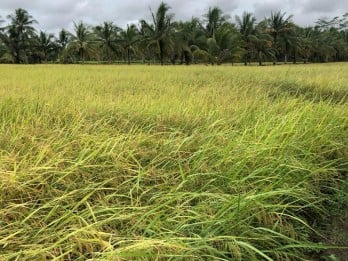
(187, 58)
(17, 58)
(128, 56)
(82, 56)
(108, 57)
(161, 49)
(275, 35)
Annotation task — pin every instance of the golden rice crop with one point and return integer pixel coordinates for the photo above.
(170, 163)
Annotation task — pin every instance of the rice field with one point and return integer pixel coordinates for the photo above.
(171, 163)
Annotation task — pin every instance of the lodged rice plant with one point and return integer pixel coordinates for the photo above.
(171, 163)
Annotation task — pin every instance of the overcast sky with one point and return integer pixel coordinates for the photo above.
(55, 14)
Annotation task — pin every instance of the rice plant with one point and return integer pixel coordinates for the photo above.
(170, 163)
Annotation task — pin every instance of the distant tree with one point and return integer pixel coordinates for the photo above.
(221, 38)
(322, 46)
(18, 33)
(262, 43)
(295, 45)
(214, 18)
(106, 35)
(158, 34)
(2, 46)
(128, 40)
(62, 42)
(228, 40)
(334, 35)
(280, 27)
(82, 42)
(63, 38)
(187, 36)
(224, 46)
(339, 23)
(46, 46)
(3, 49)
(246, 25)
(305, 38)
(209, 39)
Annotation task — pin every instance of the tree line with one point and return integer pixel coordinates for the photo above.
(211, 39)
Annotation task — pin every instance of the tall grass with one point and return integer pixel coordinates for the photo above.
(169, 163)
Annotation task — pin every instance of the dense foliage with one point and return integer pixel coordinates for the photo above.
(214, 39)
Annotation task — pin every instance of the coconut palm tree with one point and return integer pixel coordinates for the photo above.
(128, 40)
(262, 44)
(209, 48)
(280, 27)
(82, 42)
(330, 38)
(9, 45)
(322, 46)
(228, 40)
(159, 33)
(63, 38)
(46, 46)
(246, 25)
(3, 50)
(18, 33)
(338, 23)
(2, 47)
(344, 39)
(224, 46)
(62, 42)
(214, 18)
(305, 37)
(106, 35)
(187, 35)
